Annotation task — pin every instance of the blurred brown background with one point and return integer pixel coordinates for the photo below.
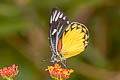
(24, 28)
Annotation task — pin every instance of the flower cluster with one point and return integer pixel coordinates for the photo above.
(59, 73)
(10, 72)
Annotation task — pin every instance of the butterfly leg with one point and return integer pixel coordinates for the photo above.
(63, 62)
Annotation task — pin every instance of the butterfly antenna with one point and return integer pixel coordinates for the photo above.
(45, 60)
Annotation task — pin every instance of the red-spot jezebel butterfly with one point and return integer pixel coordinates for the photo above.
(66, 38)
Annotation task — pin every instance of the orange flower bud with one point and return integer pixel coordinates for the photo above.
(60, 73)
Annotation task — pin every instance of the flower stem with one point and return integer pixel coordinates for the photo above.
(8, 78)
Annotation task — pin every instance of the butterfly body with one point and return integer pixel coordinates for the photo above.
(66, 38)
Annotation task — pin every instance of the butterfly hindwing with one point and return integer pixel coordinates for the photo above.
(58, 23)
(75, 40)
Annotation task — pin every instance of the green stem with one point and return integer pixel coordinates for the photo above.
(56, 78)
(8, 78)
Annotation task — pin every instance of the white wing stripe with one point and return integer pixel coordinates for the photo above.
(67, 22)
(51, 19)
(54, 31)
(57, 16)
(54, 15)
(64, 17)
(61, 15)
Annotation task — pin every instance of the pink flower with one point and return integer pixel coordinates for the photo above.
(10, 72)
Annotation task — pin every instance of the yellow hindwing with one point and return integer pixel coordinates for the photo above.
(74, 40)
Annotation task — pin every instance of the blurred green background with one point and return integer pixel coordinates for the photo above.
(24, 26)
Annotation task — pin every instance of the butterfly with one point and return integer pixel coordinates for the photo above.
(66, 38)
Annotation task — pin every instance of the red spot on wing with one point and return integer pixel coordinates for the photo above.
(59, 45)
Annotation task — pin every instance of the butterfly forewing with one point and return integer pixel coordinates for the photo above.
(58, 23)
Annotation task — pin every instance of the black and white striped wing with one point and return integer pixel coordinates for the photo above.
(58, 23)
